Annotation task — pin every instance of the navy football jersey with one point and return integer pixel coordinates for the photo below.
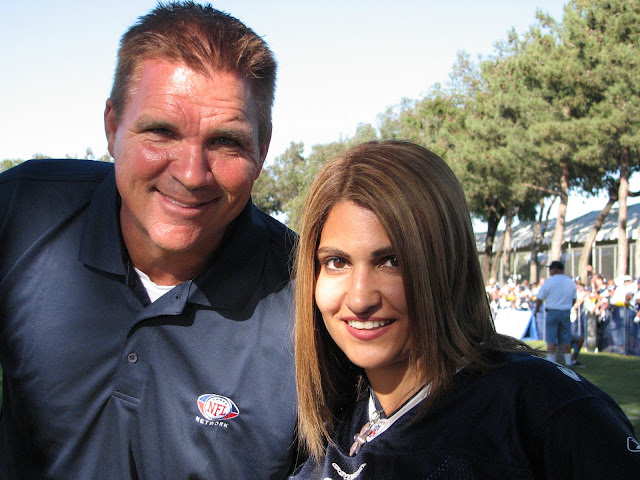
(528, 418)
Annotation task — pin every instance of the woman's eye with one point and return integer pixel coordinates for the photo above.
(391, 261)
(335, 263)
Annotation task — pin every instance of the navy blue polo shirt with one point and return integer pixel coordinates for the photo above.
(99, 383)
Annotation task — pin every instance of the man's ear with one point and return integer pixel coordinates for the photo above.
(110, 126)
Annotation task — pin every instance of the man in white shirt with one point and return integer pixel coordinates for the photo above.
(559, 294)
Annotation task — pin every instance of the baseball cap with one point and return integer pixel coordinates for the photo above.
(556, 264)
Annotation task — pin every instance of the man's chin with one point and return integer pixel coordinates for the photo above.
(183, 240)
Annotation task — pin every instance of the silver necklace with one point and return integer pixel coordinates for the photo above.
(368, 428)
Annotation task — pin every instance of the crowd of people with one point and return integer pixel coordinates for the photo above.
(608, 305)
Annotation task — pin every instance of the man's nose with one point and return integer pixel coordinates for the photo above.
(192, 166)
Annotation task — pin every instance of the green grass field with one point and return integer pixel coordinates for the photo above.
(618, 375)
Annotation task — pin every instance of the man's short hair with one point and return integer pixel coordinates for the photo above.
(204, 39)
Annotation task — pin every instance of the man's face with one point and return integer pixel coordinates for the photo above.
(186, 155)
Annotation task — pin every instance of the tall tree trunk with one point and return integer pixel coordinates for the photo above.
(558, 233)
(535, 248)
(623, 192)
(493, 219)
(539, 229)
(593, 233)
(637, 256)
(506, 248)
(496, 264)
(487, 257)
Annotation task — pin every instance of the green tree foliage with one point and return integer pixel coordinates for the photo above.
(478, 125)
(497, 161)
(281, 181)
(89, 155)
(604, 37)
(548, 75)
(538, 123)
(432, 121)
(282, 186)
(553, 111)
(7, 164)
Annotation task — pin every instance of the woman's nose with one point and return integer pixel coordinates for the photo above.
(363, 295)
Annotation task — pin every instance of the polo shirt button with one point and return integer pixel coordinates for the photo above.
(132, 357)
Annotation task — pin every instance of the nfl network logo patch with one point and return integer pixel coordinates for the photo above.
(215, 409)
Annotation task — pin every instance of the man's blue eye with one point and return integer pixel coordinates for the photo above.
(224, 141)
(164, 132)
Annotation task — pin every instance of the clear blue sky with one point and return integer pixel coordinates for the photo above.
(340, 62)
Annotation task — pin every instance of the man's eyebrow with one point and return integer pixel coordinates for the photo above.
(149, 123)
(241, 135)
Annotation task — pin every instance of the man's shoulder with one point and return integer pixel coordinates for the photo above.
(569, 282)
(272, 242)
(53, 188)
(543, 288)
(62, 170)
(560, 279)
(281, 237)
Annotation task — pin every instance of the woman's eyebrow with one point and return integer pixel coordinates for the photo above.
(331, 251)
(384, 251)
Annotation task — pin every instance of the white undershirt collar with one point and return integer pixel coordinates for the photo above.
(154, 290)
(383, 424)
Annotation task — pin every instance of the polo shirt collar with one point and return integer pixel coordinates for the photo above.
(238, 266)
(228, 283)
(102, 246)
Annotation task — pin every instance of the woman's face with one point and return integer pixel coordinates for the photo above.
(360, 291)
